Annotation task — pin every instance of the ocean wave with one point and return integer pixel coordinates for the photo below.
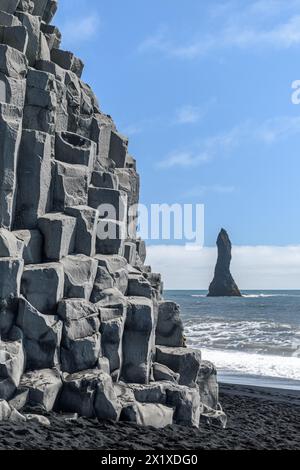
(254, 364)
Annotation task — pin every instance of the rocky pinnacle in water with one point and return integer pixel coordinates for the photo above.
(223, 284)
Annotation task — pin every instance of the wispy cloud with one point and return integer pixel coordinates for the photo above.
(235, 26)
(78, 29)
(199, 191)
(268, 132)
(189, 115)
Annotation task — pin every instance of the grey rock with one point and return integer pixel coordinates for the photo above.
(163, 373)
(111, 340)
(12, 364)
(19, 400)
(7, 19)
(26, 6)
(169, 329)
(80, 273)
(52, 35)
(35, 163)
(105, 179)
(12, 90)
(38, 419)
(121, 280)
(67, 61)
(148, 414)
(110, 203)
(16, 417)
(50, 10)
(43, 286)
(81, 354)
(5, 411)
(141, 250)
(9, 245)
(10, 136)
(13, 63)
(70, 185)
(42, 337)
(130, 253)
(11, 270)
(44, 387)
(185, 362)
(9, 6)
(208, 385)
(33, 26)
(138, 340)
(187, 404)
(86, 229)
(104, 280)
(110, 239)
(118, 149)
(59, 235)
(74, 149)
(90, 393)
(31, 243)
(138, 286)
(14, 36)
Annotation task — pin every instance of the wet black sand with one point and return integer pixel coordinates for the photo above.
(258, 418)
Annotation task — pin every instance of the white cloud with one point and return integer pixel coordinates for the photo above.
(80, 29)
(188, 115)
(253, 267)
(234, 26)
(267, 132)
(199, 191)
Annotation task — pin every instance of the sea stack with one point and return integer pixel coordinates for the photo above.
(223, 284)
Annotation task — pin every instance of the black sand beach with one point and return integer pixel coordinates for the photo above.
(258, 418)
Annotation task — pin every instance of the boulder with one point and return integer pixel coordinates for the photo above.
(42, 337)
(13, 63)
(43, 386)
(20, 399)
(70, 185)
(12, 90)
(110, 203)
(11, 270)
(33, 27)
(86, 229)
(138, 286)
(9, 6)
(185, 362)
(138, 340)
(104, 280)
(10, 137)
(5, 411)
(74, 149)
(118, 149)
(187, 404)
(111, 340)
(90, 393)
(10, 247)
(163, 373)
(43, 286)
(31, 243)
(14, 36)
(104, 179)
(59, 232)
(148, 414)
(223, 284)
(80, 273)
(35, 163)
(12, 364)
(81, 354)
(111, 236)
(169, 329)
(67, 61)
(208, 385)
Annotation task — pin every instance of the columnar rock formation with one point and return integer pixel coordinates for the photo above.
(223, 284)
(83, 325)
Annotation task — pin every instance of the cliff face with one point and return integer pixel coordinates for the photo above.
(223, 284)
(83, 325)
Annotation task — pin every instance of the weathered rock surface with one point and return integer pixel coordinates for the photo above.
(223, 284)
(84, 327)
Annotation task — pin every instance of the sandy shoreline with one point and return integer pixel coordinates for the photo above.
(258, 418)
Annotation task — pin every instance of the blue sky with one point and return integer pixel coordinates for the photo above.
(203, 90)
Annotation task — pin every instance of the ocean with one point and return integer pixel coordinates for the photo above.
(253, 340)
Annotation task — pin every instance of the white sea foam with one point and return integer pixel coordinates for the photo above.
(254, 364)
